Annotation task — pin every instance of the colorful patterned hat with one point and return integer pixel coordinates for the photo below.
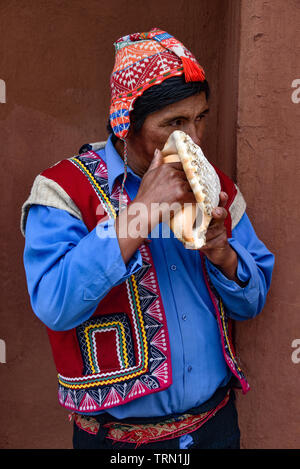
(144, 60)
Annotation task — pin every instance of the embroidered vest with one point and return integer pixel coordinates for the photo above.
(122, 352)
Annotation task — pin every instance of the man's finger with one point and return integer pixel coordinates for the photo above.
(223, 199)
(219, 214)
(157, 160)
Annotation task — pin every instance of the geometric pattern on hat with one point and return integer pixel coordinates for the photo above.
(143, 60)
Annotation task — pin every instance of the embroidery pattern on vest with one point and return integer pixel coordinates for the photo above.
(132, 377)
(222, 321)
(87, 334)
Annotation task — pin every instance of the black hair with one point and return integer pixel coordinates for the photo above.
(158, 96)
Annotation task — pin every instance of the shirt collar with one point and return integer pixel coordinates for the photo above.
(115, 165)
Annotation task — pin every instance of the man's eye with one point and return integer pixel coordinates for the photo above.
(176, 123)
(199, 118)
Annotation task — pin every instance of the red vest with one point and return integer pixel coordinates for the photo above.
(122, 352)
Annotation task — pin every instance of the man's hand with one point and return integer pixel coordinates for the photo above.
(165, 187)
(217, 248)
(167, 183)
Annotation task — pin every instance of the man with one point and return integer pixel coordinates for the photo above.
(140, 326)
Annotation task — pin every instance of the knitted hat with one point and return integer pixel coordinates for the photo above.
(144, 60)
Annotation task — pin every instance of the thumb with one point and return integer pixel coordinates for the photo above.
(157, 160)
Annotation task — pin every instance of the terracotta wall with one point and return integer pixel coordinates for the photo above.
(268, 142)
(56, 58)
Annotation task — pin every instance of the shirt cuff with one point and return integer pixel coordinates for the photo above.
(118, 271)
(133, 265)
(246, 273)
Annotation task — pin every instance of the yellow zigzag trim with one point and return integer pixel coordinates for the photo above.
(107, 324)
(141, 318)
(226, 336)
(122, 378)
(97, 185)
(132, 375)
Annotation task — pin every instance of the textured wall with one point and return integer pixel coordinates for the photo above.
(268, 142)
(56, 58)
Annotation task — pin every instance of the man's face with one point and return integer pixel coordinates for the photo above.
(187, 115)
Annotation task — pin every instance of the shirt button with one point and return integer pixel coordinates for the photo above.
(189, 368)
(173, 267)
(184, 317)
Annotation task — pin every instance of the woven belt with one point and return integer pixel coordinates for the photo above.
(149, 432)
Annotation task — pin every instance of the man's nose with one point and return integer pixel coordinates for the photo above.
(192, 132)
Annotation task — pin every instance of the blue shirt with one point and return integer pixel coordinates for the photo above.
(69, 270)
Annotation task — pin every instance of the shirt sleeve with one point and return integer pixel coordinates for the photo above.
(255, 267)
(69, 269)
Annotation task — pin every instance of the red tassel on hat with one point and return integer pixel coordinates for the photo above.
(192, 71)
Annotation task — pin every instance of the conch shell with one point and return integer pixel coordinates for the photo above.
(190, 223)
